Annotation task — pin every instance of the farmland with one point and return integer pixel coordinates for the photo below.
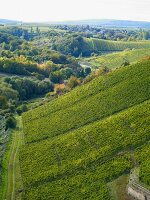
(83, 140)
(104, 100)
(115, 60)
(99, 45)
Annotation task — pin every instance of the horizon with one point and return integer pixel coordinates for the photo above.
(66, 10)
(90, 19)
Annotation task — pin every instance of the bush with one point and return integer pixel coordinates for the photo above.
(21, 109)
(10, 122)
(73, 82)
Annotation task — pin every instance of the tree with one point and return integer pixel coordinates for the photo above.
(21, 109)
(60, 89)
(66, 73)
(3, 102)
(37, 30)
(56, 77)
(10, 122)
(87, 71)
(31, 30)
(73, 82)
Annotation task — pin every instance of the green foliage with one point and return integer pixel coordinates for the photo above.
(100, 98)
(18, 66)
(96, 45)
(71, 44)
(87, 184)
(21, 109)
(79, 142)
(97, 141)
(3, 102)
(10, 122)
(28, 88)
(78, 45)
(142, 155)
(73, 82)
(114, 60)
(56, 77)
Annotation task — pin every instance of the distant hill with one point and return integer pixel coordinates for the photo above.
(107, 23)
(7, 21)
(95, 22)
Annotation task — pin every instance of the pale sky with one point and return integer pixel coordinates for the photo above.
(59, 10)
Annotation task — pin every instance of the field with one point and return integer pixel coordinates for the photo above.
(80, 142)
(99, 45)
(115, 60)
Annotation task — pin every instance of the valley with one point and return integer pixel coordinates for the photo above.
(74, 111)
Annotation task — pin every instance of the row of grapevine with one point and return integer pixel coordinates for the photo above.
(88, 184)
(99, 45)
(79, 142)
(80, 93)
(122, 95)
(97, 141)
(143, 157)
(114, 60)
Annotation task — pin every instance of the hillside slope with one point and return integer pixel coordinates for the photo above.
(78, 143)
(98, 45)
(114, 60)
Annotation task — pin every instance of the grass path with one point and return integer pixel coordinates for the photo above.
(13, 166)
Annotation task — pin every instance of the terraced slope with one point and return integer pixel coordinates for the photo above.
(99, 45)
(78, 143)
(114, 60)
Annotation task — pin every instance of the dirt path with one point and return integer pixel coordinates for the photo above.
(10, 195)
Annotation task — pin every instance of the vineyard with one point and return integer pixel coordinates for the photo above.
(115, 60)
(79, 142)
(105, 102)
(99, 45)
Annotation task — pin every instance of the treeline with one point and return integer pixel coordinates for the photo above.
(19, 66)
(107, 33)
(57, 73)
(28, 88)
(79, 46)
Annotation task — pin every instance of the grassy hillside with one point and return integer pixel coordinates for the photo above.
(99, 45)
(78, 143)
(115, 60)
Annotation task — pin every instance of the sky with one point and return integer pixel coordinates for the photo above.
(62, 10)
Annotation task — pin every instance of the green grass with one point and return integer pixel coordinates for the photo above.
(118, 188)
(11, 176)
(77, 144)
(115, 60)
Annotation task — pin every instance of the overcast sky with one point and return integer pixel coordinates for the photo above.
(59, 10)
